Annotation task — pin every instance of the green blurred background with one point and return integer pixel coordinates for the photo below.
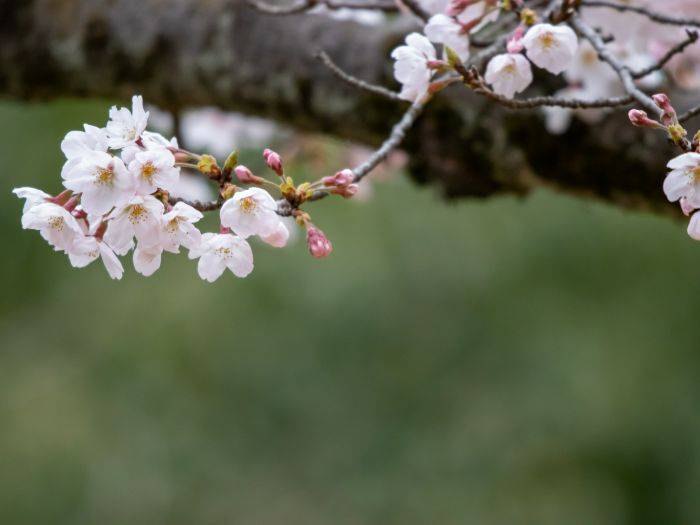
(508, 361)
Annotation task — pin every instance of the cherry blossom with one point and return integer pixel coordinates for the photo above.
(508, 74)
(140, 217)
(551, 47)
(250, 212)
(445, 30)
(152, 170)
(219, 251)
(78, 144)
(103, 181)
(683, 181)
(178, 228)
(411, 66)
(126, 127)
(55, 224)
(87, 249)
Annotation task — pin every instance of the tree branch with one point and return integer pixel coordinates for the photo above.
(221, 52)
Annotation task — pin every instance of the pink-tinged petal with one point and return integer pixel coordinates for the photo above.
(676, 185)
(210, 267)
(279, 237)
(685, 161)
(694, 226)
(112, 263)
(83, 251)
(147, 260)
(119, 235)
(241, 264)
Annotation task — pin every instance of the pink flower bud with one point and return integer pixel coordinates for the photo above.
(62, 198)
(71, 204)
(181, 157)
(435, 64)
(318, 243)
(246, 176)
(346, 191)
(639, 118)
(515, 43)
(341, 179)
(669, 116)
(274, 161)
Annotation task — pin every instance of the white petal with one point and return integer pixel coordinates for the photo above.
(210, 267)
(147, 260)
(112, 263)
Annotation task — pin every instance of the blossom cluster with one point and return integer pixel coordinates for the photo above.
(116, 200)
(555, 48)
(416, 65)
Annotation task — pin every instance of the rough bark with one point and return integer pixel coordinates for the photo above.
(184, 53)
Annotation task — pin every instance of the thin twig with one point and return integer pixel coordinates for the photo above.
(198, 205)
(354, 81)
(621, 69)
(651, 15)
(305, 5)
(416, 9)
(538, 102)
(398, 132)
(694, 112)
(675, 50)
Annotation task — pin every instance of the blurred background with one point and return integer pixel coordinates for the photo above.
(506, 361)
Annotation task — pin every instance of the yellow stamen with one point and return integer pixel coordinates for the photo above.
(137, 214)
(547, 40)
(248, 205)
(105, 176)
(57, 223)
(147, 171)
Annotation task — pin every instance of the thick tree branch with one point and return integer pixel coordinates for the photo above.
(185, 53)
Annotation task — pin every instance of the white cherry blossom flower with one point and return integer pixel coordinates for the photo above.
(508, 74)
(32, 197)
(551, 47)
(219, 251)
(152, 170)
(87, 249)
(411, 66)
(78, 144)
(103, 181)
(684, 179)
(445, 30)
(178, 228)
(126, 127)
(140, 217)
(55, 224)
(694, 226)
(250, 212)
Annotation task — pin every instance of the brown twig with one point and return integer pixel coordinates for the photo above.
(300, 6)
(651, 15)
(354, 81)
